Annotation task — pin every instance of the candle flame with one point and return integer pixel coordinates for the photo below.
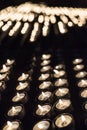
(13, 109)
(62, 91)
(43, 94)
(63, 118)
(8, 61)
(21, 84)
(40, 107)
(18, 95)
(56, 71)
(23, 75)
(9, 123)
(4, 67)
(60, 101)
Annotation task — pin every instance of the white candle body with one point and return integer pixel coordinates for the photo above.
(42, 125)
(61, 82)
(44, 77)
(45, 62)
(18, 97)
(46, 56)
(43, 110)
(14, 111)
(77, 61)
(81, 74)
(14, 125)
(82, 83)
(45, 85)
(23, 77)
(59, 74)
(61, 92)
(78, 67)
(63, 121)
(22, 86)
(44, 96)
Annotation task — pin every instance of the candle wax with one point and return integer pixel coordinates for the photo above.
(9, 62)
(82, 83)
(22, 86)
(61, 92)
(63, 121)
(23, 77)
(13, 125)
(18, 97)
(84, 93)
(78, 67)
(45, 62)
(61, 82)
(45, 68)
(44, 77)
(63, 104)
(45, 85)
(60, 66)
(14, 111)
(58, 74)
(43, 110)
(46, 56)
(4, 69)
(44, 96)
(42, 125)
(77, 61)
(3, 76)
(81, 74)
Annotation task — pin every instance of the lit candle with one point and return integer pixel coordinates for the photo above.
(60, 66)
(61, 82)
(4, 77)
(77, 61)
(45, 85)
(46, 56)
(9, 62)
(81, 74)
(45, 62)
(12, 125)
(63, 105)
(82, 83)
(62, 92)
(22, 86)
(42, 125)
(45, 68)
(16, 111)
(23, 77)
(45, 96)
(78, 67)
(20, 97)
(2, 85)
(58, 74)
(5, 69)
(83, 93)
(64, 121)
(43, 110)
(44, 77)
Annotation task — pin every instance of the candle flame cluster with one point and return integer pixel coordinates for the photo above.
(40, 14)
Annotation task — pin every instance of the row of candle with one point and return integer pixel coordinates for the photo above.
(17, 111)
(5, 72)
(81, 77)
(47, 110)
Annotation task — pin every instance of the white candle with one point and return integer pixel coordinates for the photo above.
(11, 125)
(45, 85)
(9, 62)
(3, 76)
(61, 82)
(58, 74)
(77, 61)
(63, 120)
(18, 97)
(60, 92)
(44, 77)
(22, 86)
(45, 62)
(60, 66)
(82, 83)
(44, 96)
(4, 69)
(81, 74)
(45, 68)
(14, 111)
(46, 56)
(62, 104)
(42, 125)
(23, 77)
(78, 67)
(83, 93)
(42, 110)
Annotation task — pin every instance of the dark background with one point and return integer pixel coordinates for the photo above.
(69, 3)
